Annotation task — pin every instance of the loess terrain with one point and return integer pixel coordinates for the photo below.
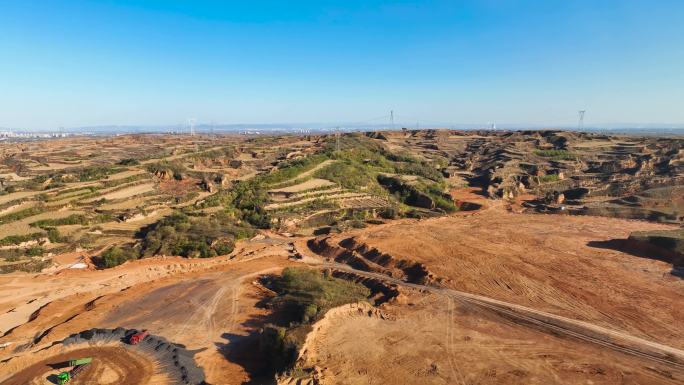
(421, 257)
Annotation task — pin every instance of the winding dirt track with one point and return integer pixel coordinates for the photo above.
(544, 321)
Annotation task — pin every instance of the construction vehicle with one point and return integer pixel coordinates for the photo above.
(80, 361)
(78, 366)
(137, 337)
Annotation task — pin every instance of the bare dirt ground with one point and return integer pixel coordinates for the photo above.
(429, 339)
(209, 305)
(128, 192)
(557, 264)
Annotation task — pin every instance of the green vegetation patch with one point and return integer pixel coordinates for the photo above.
(309, 293)
(304, 296)
(176, 168)
(181, 235)
(549, 178)
(421, 194)
(556, 154)
(117, 255)
(356, 167)
(12, 240)
(193, 237)
(291, 169)
(97, 173)
(73, 219)
(128, 162)
(21, 214)
(225, 152)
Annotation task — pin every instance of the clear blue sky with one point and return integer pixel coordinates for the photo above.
(76, 63)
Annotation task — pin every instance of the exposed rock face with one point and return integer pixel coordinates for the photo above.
(376, 135)
(222, 180)
(414, 198)
(630, 177)
(208, 185)
(422, 200)
(164, 174)
(668, 245)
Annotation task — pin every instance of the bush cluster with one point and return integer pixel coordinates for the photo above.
(556, 154)
(304, 295)
(191, 237)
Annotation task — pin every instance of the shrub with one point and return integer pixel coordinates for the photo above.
(347, 174)
(74, 219)
(97, 172)
(176, 168)
(34, 251)
(548, 178)
(389, 213)
(12, 240)
(182, 235)
(306, 294)
(128, 162)
(116, 255)
(21, 214)
(556, 154)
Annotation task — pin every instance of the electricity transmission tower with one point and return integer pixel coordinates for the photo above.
(337, 139)
(191, 125)
(580, 121)
(392, 119)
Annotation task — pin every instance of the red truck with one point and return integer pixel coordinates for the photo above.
(137, 337)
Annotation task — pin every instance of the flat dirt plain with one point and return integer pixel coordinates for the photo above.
(503, 289)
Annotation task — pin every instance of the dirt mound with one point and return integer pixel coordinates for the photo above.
(360, 256)
(307, 354)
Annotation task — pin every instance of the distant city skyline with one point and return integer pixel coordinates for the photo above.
(83, 63)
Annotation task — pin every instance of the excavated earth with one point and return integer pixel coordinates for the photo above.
(154, 360)
(206, 308)
(430, 339)
(558, 264)
(562, 265)
(111, 365)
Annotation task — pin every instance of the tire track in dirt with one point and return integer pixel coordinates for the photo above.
(453, 367)
(550, 323)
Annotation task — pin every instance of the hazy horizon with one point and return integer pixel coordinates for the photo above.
(326, 126)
